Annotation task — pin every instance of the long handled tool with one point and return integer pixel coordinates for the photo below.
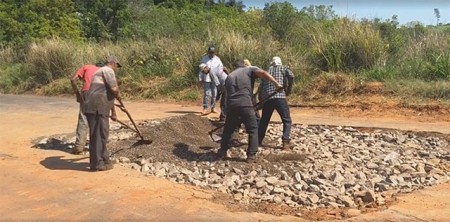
(136, 130)
(126, 125)
(216, 138)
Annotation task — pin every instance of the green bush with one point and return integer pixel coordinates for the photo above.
(14, 78)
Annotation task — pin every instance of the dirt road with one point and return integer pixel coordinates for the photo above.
(46, 185)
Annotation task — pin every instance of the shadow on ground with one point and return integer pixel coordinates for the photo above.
(184, 112)
(182, 151)
(54, 144)
(58, 163)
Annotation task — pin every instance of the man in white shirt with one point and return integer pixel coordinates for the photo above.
(218, 75)
(209, 82)
(216, 69)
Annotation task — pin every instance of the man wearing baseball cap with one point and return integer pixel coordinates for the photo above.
(217, 73)
(98, 108)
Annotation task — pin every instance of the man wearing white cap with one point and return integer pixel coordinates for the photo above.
(277, 102)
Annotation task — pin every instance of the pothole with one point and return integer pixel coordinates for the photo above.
(332, 172)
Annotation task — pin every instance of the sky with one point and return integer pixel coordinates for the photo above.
(406, 10)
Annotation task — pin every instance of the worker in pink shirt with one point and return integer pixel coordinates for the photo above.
(85, 74)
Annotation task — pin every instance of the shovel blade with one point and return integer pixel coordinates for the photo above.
(215, 138)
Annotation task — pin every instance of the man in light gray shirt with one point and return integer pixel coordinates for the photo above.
(98, 108)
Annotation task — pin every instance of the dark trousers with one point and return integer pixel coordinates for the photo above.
(236, 115)
(282, 108)
(223, 103)
(98, 137)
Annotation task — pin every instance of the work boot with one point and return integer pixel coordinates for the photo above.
(251, 158)
(213, 111)
(107, 166)
(77, 150)
(287, 145)
(221, 154)
(205, 112)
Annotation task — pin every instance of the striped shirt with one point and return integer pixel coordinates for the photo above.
(268, 88)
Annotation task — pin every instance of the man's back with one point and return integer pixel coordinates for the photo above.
(86, 73)
(239, 85)
(100, 98)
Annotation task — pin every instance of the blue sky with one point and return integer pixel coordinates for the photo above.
(407, 10)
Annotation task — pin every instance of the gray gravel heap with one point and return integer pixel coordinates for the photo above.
(342, 167)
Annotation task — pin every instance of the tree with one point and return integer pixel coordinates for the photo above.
(22, 21)
(103, 19)
(235, 4)
(280, 16)
(319, 12)
(438, 15)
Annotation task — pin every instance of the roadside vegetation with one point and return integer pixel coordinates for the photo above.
(160, 43)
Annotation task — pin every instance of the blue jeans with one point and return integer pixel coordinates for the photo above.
(282, 108)
(209, 95)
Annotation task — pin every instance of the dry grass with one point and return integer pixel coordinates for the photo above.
(7, 55)
(333, 84)
(347, 46)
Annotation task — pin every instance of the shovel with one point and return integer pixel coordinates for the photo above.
(216, 138)
(136, 130)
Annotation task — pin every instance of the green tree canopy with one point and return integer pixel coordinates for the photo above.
(280, 16)
(35, 19)
(103, 19)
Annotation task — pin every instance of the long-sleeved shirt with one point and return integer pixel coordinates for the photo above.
(209, 77)
(216, 68)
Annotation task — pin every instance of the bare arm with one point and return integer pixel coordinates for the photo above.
(265, 75)
(113, 113)
(75, 89)
(115, 91)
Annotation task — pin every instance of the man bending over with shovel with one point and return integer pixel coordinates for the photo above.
(239, 88)
(98, 105)
(84, 73)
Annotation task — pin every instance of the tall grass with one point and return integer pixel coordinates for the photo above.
(426, 58)
(335, 61)
(48, 61)
(6, 55)
(348, 46)
(414, 89)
